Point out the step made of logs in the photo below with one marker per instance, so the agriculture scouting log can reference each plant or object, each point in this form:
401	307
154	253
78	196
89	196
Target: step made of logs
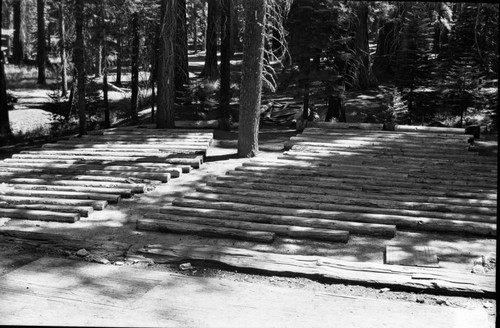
352	227
280	230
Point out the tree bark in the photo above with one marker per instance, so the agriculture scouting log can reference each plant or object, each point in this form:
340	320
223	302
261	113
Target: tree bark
166	88
5	131
118	80
251	81
194	16
107	119
40	56
365	76
18	51
62	41
79	62
225	64
210	70
134	99
181	53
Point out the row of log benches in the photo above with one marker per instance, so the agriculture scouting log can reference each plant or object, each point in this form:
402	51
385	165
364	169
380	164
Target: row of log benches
337	179
71	178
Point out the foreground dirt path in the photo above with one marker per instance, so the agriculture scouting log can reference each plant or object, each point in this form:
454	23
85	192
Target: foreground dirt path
63	292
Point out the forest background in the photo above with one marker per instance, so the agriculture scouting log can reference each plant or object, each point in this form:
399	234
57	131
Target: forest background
103	62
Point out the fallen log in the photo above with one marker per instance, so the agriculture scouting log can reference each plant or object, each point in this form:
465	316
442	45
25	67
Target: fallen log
387	166
16	213
63	194
455	212
129	147
377	179
401	133
204	230
164	177
320	190
393	276
372	170
351	126
337	205
429	129
344	184
75	156
109	165
134	188
117	89
135	139
123	192
96	204
411	223
351	227
280	230
83	211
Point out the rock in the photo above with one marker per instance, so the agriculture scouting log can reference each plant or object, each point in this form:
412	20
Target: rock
82	252
383	290
119	263
420	299
101	260
185	266
478	269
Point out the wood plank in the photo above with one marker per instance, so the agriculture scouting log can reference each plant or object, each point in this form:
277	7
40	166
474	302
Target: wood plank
431	129
311	163
63	194
350	185
414	255
394	161
135	147
336	270
83	211
96	204
72	156
338	125
268	199
353	227
37	162
135	188
204	230
456	212
25	214
325	211
123	192
163	177
366	178
412	134
261	184
329	235
174	171
372	170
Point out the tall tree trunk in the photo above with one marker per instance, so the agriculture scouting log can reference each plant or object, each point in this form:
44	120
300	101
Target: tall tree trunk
79	62
235	27
40	56
62	41
105	88
18	46
118	80
251	80
5	132
210	70
365	76
181	53
166	66
134	99
225	54
194	16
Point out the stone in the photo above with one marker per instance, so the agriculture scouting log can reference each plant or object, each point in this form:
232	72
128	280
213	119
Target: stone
101	260
82	252
478	269
185	266
119	263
